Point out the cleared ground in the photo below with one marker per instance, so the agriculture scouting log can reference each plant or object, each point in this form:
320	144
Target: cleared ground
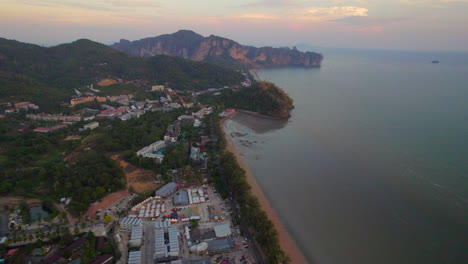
104	204
141	180
106	82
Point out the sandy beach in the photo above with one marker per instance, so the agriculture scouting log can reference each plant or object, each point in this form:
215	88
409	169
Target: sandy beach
286	242
254	74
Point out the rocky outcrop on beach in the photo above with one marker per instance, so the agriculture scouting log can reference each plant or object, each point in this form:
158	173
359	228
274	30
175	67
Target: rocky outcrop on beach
190	45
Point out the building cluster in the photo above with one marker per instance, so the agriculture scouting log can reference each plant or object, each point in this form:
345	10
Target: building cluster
150	208
166	249
87	99
174	208
128	222
136	236
55	117
190	196
123	99
155	150
17	107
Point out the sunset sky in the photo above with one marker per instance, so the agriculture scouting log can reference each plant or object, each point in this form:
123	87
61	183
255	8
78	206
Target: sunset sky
381	24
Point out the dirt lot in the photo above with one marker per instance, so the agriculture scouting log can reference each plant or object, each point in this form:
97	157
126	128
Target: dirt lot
106	82
140	179
104	204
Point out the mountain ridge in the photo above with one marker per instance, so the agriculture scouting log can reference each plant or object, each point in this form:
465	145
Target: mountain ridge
191	45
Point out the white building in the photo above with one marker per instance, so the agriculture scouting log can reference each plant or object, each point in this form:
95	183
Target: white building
91	125
203	112
149	151
157	88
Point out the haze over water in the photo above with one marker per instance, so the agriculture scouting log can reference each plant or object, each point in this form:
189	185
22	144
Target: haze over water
372	167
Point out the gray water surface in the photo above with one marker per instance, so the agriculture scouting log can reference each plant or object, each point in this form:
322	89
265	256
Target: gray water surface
372	167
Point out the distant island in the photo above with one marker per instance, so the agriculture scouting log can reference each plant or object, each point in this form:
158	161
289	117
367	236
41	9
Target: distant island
190	45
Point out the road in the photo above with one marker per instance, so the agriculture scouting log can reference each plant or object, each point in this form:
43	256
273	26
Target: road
243	224
3	224
147	249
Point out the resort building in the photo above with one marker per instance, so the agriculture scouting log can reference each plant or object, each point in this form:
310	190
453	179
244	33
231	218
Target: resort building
151	151
91	125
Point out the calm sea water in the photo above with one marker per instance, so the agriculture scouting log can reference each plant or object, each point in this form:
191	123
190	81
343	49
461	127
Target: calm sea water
372	167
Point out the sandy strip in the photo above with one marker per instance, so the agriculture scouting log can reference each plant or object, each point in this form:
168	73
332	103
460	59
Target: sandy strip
286	242
254	74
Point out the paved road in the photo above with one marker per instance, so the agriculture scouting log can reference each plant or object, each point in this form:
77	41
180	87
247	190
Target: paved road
147	249
3	224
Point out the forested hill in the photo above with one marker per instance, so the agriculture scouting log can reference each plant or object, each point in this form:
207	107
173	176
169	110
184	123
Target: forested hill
32	72
263	97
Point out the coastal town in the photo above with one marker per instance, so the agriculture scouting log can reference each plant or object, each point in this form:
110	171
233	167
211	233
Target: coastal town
179	217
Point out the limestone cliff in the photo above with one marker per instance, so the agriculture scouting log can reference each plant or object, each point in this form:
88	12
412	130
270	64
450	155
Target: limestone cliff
190	45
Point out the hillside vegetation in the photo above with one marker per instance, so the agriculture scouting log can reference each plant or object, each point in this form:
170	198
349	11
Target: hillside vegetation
50	74
263	97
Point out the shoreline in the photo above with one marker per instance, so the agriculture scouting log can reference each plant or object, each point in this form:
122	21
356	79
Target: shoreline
258	115
286	242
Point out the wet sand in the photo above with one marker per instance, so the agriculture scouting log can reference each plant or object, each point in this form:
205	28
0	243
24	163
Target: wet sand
286	242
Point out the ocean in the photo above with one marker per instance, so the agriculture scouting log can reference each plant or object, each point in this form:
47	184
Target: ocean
372	166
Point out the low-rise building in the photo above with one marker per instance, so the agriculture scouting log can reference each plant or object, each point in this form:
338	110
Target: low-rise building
167	190
150	151
223	230
194	153
181	198
128	222
157	88
91	126
81	100
134	257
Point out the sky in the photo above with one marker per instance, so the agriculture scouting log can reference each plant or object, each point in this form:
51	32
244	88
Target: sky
375	24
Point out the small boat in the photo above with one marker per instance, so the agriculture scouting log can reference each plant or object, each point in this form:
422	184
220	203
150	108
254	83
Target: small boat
435	61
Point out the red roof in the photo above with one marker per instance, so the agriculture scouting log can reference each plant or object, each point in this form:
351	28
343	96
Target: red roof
42	129
12	251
